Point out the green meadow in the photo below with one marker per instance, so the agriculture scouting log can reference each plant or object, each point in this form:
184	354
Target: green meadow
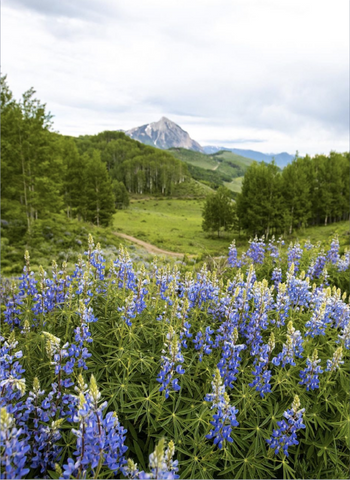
170	224
235	185
176	225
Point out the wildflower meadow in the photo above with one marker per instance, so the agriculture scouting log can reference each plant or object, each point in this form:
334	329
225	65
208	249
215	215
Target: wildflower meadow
121	371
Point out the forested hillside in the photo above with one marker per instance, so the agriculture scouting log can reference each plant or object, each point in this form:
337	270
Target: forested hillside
215	170
308	191
142	169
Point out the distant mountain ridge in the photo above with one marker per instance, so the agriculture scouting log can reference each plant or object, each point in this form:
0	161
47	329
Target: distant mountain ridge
281	159
164	134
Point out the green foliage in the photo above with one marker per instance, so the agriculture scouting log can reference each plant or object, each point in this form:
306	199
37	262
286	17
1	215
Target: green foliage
43	173
31	163
216	169
126	361
98	195
121	195
54	237
142	169
257	205
309	191
210	177
219	211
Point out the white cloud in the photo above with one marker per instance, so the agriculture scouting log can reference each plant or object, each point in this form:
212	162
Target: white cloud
224	70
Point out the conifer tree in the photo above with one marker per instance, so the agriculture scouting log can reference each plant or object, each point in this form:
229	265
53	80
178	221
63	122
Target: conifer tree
259	206
219	211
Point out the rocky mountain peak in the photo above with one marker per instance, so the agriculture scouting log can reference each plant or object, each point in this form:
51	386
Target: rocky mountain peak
164	134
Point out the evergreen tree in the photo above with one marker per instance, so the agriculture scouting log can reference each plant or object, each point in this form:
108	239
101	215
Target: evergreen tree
259	207
219	211
295	195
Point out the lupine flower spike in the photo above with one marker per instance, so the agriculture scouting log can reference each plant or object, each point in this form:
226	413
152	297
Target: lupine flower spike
285	436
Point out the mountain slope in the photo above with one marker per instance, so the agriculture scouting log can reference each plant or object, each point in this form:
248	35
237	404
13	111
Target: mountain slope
281	159
164	134
221	168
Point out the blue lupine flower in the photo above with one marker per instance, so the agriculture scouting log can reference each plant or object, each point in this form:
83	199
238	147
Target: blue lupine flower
345	335
308	245
204	344
123	270
258	321
256	250
12	383
171	363
316	267
27	285
309	376
276	276
286	434
45	450
298	289
335	361
98	439
185	333
205	288
96	259
233	260
273	249
291	349
295	253
282	305
13	304
161	464
319	319
230	357
262	375
225	417
344	262
14	448
333	253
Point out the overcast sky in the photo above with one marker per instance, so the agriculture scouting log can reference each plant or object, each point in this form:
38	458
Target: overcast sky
269	75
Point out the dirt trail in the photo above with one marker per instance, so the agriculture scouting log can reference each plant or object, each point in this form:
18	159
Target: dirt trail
149	247
217	166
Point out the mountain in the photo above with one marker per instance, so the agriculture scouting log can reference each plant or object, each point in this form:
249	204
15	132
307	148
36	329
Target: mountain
164	134
281	159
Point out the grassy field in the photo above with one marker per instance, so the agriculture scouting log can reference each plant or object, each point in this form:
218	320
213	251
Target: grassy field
191	188
235	185
224	155
224	162
176	225
195	158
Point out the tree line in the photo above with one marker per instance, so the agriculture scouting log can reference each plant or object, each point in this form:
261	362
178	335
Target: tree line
308	191
141	168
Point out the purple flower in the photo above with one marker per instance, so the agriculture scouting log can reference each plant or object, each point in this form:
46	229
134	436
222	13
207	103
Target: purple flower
309	376
225	417
286	434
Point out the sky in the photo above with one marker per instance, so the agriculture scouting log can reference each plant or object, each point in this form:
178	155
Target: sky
266	75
